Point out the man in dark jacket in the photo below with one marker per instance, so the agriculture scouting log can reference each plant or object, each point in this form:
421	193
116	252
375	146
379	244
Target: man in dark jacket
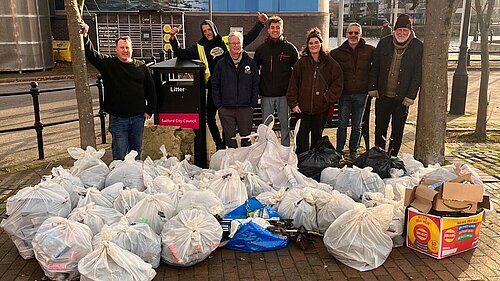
395	80
275	59
210	49
129	94
386	29
355	58
235	88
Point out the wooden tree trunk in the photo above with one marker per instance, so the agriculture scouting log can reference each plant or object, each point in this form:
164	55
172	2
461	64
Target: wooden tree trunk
432	103
83	95
484	19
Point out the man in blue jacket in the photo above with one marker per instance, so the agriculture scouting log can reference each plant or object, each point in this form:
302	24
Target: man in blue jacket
235	88
210	49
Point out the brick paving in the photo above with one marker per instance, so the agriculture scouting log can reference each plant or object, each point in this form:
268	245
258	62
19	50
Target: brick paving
315	263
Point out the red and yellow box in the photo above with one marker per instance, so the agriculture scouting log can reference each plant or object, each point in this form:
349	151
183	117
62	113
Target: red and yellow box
441	237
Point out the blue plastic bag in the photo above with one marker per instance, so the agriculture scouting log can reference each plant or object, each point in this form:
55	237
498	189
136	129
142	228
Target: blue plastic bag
251	237
248	209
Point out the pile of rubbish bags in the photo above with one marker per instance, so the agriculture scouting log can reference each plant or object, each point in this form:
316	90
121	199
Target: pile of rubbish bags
120	221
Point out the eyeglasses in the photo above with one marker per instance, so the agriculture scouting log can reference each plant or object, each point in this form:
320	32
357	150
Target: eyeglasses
353	32
235	44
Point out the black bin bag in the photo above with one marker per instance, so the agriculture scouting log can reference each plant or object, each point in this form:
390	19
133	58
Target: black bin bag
380	161
323	155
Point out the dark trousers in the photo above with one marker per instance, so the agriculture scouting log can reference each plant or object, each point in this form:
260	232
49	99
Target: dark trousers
310	125
365	127
236	119
211	122
390	110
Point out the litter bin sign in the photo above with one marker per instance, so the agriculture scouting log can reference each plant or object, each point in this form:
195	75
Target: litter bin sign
182	100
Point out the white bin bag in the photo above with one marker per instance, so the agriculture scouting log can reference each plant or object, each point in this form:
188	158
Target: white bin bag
253	183
358	239
138	238
355	181
89	166
153	210
110	262
272	198
29	208
128	171
127	198
229	188
332	206
190	237
95	216
299	204
59	244
69	182
93	195
329	175
203	200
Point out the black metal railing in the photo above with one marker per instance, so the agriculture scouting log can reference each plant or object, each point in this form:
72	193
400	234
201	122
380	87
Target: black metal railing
38	125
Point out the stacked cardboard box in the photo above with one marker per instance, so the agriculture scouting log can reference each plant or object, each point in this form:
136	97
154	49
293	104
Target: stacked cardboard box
457	210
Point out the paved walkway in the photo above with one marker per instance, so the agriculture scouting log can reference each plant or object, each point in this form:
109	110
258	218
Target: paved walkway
316	263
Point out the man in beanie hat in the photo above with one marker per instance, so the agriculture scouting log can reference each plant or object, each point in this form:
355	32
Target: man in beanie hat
395	80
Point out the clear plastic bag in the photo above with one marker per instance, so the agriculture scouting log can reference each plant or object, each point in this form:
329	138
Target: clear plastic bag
299	204
138	238
93	195
272	198
95	216
29	208
203	200
411	165
89	166
69	182
128	171
355	181
358	239
329	175
332	206
190	237
154	210
127	198
230	189
59	244
110	262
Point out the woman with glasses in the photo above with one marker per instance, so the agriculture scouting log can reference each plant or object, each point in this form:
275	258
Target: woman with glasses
315	83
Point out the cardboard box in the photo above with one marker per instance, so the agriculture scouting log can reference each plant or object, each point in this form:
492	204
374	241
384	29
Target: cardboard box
458	196
441	237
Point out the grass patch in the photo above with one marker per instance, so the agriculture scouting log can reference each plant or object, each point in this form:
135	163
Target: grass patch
468	137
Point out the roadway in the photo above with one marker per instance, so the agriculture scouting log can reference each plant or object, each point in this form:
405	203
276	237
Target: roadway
20	148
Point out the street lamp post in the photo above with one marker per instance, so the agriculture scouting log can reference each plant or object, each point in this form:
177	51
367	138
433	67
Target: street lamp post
461	77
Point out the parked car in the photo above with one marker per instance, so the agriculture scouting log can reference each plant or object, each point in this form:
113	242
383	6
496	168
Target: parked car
371	20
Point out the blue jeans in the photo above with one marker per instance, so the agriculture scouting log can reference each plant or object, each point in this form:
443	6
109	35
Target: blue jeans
279	104
126	133
350	107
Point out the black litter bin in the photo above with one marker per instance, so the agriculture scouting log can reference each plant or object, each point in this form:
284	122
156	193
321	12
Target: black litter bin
181	102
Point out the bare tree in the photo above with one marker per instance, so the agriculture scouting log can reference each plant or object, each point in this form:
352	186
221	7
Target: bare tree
74	10
484	11
432	105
